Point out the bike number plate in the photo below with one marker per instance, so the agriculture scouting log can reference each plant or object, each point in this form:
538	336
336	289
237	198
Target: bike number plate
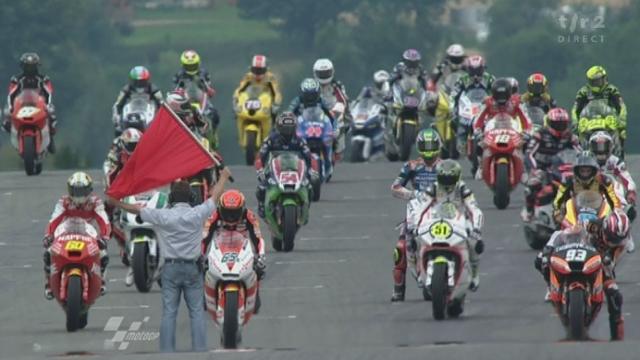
441	230
252	104
74	245
289	178
314	132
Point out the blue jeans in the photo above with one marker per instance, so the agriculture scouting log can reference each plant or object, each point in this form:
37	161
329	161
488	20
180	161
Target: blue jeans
182	278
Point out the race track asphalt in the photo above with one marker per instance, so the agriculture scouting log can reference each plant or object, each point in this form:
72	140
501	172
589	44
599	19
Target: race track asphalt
328	299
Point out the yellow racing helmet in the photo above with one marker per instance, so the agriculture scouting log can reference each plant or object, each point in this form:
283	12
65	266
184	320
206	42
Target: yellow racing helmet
190	61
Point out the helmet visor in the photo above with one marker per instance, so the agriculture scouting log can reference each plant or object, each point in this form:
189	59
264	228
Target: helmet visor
79	192
130	146
258	70
191	68
448	180
597	83
456	60
536	88
476	71
231	215
559	125
585	173
324	75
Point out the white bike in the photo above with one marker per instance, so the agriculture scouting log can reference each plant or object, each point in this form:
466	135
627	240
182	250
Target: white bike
231	284
443	261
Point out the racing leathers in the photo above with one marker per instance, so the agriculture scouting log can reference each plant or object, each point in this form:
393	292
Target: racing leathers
93	211
602	184
541	149
40	82
249	227
614	98
269	81
123	97
203	81
277	142
617	168
444	68
420	175
608	253
466	83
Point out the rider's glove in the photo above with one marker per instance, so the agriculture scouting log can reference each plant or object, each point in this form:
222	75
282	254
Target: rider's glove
261	176
594	226
47	241
259	266
102	243
631	197
479	247
313	175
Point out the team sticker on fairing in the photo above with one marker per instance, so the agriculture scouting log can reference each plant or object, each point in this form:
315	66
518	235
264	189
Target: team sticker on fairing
441	230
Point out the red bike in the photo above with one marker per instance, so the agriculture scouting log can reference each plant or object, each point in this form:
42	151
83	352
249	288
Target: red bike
75	270
30	133
502	158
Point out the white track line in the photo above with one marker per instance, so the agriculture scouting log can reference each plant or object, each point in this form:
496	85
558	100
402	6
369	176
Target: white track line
25	266
291	288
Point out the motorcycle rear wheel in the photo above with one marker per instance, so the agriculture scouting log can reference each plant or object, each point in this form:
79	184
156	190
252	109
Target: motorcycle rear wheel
290	222
356	151
250	151
501	196
142	267
439	290
408	139
576	308
316	185
230	327
29	155
74	303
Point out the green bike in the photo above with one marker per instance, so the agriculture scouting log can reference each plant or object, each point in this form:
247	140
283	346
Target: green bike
287	199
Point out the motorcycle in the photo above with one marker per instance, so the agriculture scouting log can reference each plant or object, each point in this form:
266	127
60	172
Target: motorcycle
75	278
316	130
599	116
443	260
231	285
137	113
469	107
200	101
585	203
502	158
576	285
409	99
30	132
287	199
253	114
445	127
367	130
141	240
538	231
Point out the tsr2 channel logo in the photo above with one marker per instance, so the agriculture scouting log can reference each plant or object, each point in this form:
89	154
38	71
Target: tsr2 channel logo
579	29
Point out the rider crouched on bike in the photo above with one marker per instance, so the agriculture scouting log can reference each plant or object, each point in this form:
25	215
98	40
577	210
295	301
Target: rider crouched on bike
259	75
191	70
233	215
454	61
450	187
309	97
30	78
139	83
502	100
283	138
586	177
544	144
420	173
609	237
476	77
79	202
537	94
601	145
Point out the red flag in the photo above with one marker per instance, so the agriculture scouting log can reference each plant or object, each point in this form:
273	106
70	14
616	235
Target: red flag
168	150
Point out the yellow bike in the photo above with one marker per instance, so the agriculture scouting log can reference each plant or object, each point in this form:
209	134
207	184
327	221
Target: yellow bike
599	116
443	125
253	115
